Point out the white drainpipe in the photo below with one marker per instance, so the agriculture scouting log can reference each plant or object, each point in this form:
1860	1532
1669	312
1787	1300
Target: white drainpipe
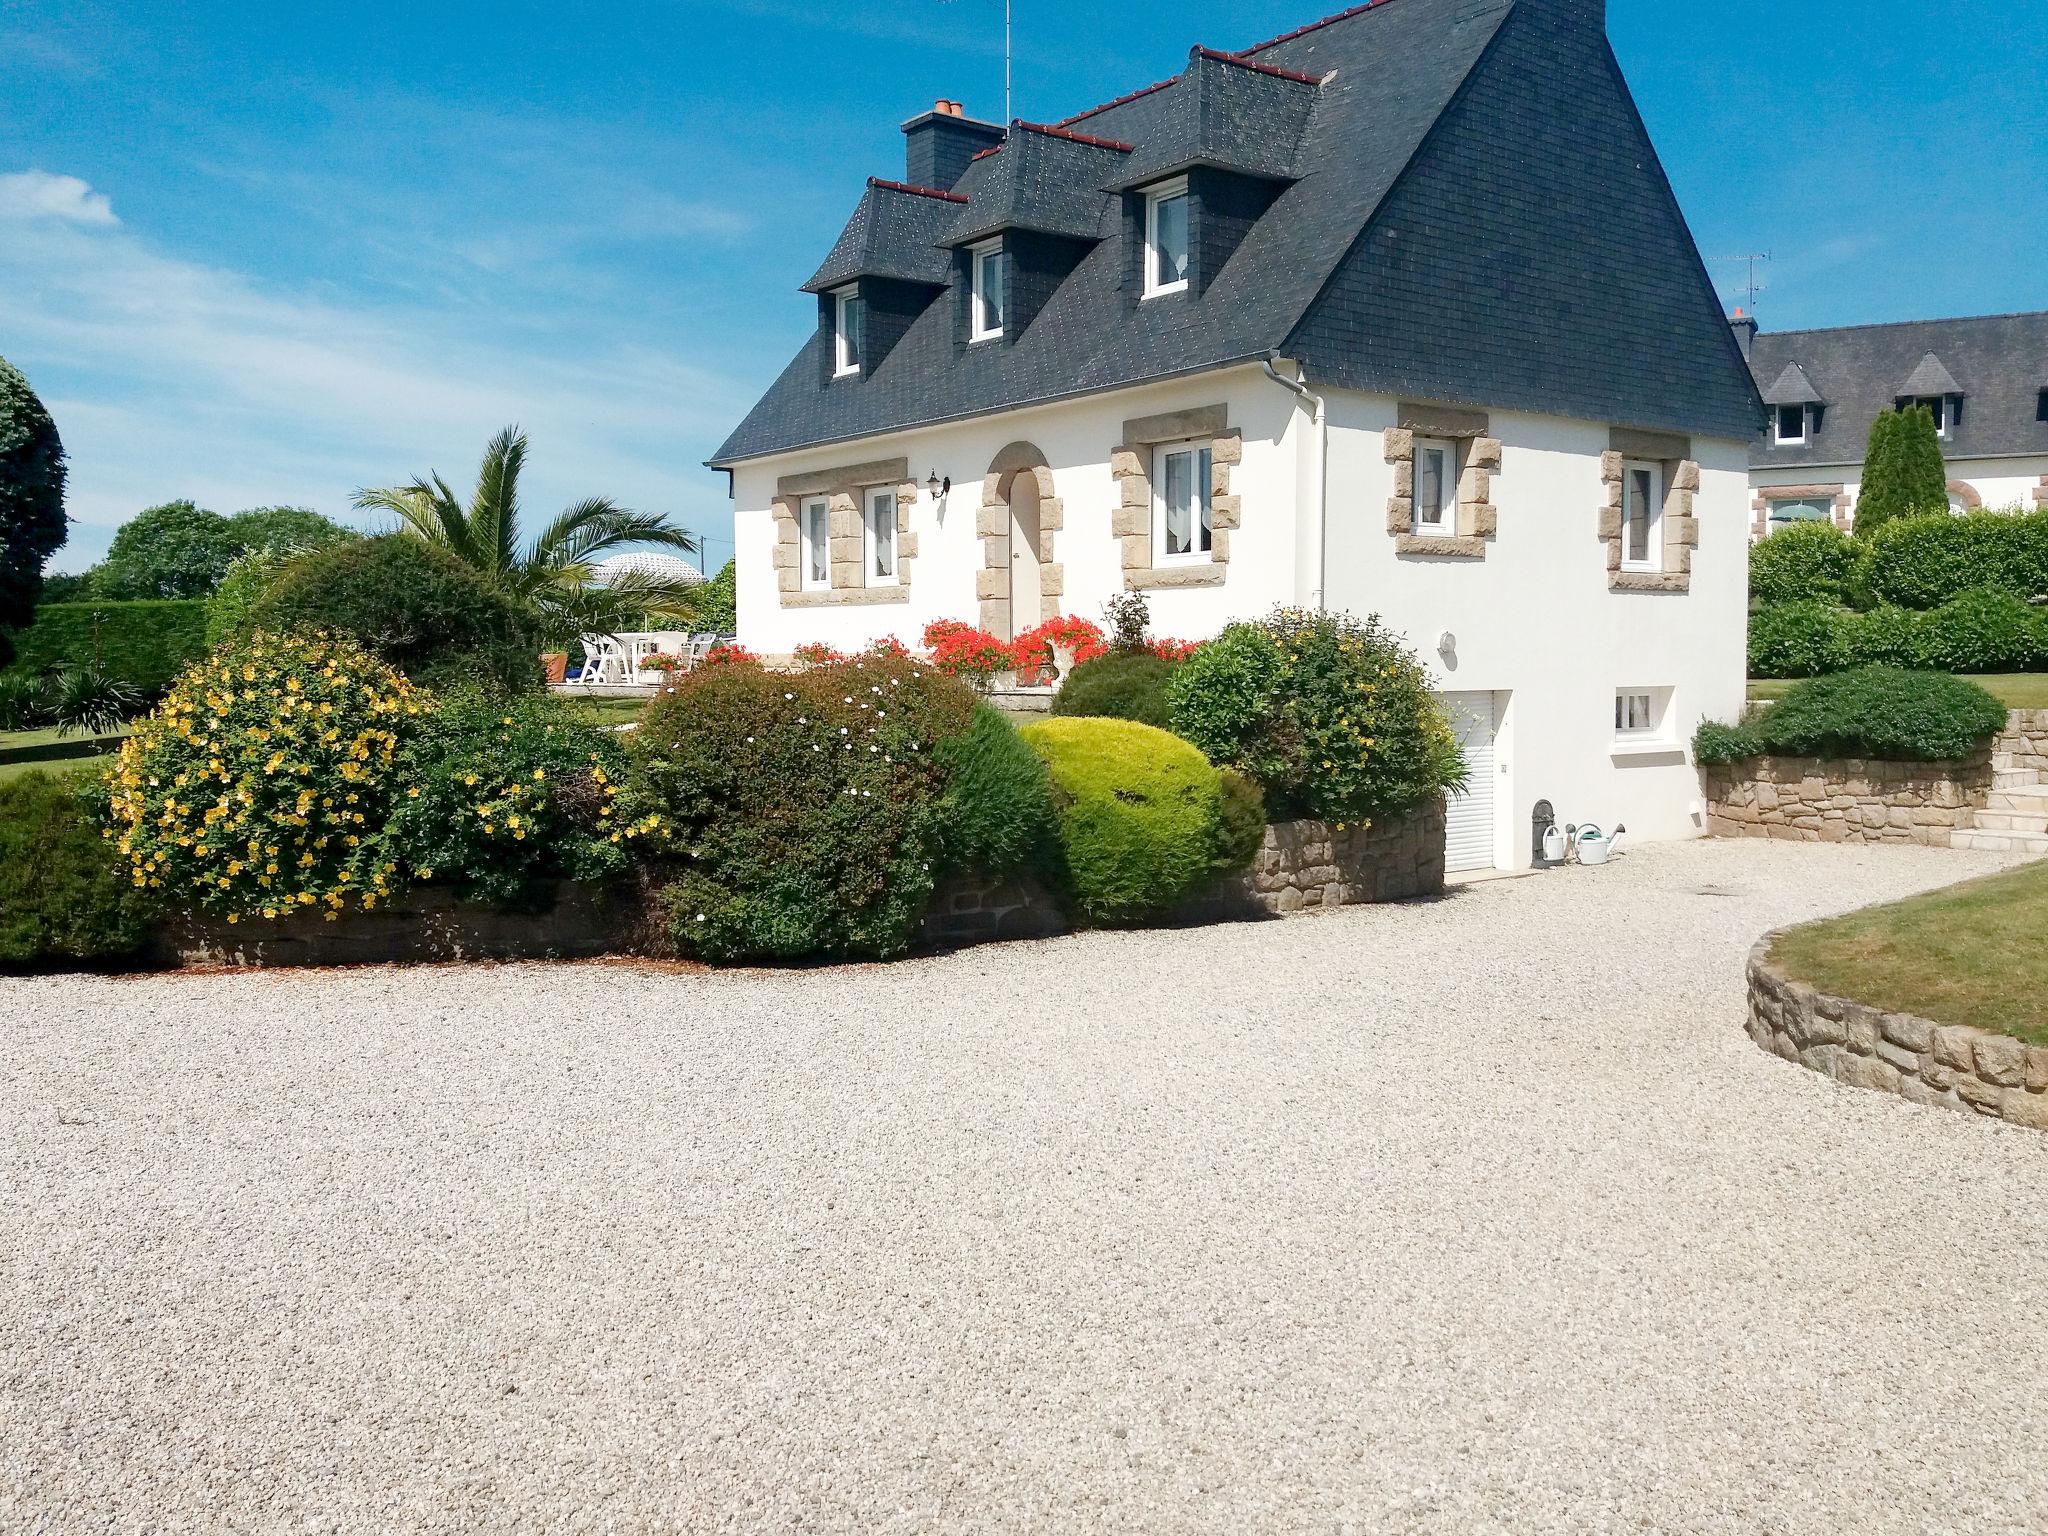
1322	507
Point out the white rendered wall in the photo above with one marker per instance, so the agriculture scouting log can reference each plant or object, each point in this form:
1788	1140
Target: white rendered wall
1535	620
1076	439
2000	484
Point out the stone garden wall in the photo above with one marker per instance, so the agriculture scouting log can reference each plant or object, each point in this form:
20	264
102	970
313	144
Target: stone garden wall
1848	800
2020	755
1303	864
1946	1064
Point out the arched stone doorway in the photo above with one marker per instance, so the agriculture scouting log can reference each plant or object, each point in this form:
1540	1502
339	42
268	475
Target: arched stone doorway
1020	584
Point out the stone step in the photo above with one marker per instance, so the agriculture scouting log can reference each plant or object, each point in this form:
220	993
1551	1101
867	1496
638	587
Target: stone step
2018	778
2031	801
2000	842
2033	824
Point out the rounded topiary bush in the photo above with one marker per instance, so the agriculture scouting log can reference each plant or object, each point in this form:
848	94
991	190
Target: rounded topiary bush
1796	640
1334	718
1141	816
1804	562
1882	712
264	782
65	895
1985	630
804	815
419	607
1122	685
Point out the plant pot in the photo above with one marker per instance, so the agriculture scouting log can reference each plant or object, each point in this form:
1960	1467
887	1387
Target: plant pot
554	665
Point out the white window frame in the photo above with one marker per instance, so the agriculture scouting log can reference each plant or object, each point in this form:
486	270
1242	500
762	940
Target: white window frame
814	537
1156	199
1938	408
979	328
878	507
846	359
1654	542
1447	527
1201	513
1634	723
1779	422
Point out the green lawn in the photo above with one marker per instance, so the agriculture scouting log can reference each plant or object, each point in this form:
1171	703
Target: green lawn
1971	954
2015	690
608	711
53	765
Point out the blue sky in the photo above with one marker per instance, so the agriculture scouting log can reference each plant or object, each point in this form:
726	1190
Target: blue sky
256	253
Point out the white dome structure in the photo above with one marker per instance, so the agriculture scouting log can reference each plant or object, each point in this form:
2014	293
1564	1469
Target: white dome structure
649	565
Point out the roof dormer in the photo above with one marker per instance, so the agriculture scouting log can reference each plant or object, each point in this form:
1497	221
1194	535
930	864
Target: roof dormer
1932	385
884	272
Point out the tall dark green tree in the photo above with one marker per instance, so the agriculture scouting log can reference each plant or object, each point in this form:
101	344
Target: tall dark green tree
1903	470
32	522
173	550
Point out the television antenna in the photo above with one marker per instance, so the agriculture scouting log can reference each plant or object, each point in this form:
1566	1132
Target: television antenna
1751	284
1008	55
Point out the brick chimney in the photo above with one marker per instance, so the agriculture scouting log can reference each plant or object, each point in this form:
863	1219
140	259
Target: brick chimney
939	144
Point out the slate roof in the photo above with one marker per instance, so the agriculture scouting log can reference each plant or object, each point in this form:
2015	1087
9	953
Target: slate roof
895	232
1046	179
1387	72
1226	112
1793	388
1997	363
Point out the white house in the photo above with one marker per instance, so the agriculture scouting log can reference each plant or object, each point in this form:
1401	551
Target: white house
1985	379
1393	314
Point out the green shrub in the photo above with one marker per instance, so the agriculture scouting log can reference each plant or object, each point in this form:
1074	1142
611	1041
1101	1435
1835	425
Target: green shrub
1922	562
418	606
1120	686
64	896
32	523
1333	717
232	608
713	607
505	797
1980	631
142	644
1796	640
805	814
998	814
1806	562
1715	743
1882	712
1242	827
1885	636
1141	816
265	780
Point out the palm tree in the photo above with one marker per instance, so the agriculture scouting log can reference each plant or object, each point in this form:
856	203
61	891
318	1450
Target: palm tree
553	574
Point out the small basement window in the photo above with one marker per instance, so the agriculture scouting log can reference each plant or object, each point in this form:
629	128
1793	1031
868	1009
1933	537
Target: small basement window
849	331
1181	528
1436	487
879	533
1642	516
1639	714
816	527
1166	240
989	298
1791	425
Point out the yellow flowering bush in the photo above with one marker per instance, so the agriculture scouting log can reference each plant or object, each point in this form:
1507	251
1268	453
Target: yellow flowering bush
264	782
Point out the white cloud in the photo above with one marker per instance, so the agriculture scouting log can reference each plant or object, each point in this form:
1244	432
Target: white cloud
39	195
168	377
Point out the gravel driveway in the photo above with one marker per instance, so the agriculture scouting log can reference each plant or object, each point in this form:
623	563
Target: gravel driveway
1469	1216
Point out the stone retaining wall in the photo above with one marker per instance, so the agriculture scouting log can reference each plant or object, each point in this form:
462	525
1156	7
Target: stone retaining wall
1947	1064
2019	755
1849	800
1303	864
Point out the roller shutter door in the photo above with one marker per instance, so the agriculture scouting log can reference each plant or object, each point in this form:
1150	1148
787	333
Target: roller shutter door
1468	830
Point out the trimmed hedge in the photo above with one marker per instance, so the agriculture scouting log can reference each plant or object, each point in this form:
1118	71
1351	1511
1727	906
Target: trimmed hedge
64	897
1807	561
1796	640
145	643
998	809
1925	561
1868	712
1119	686
417	606
1141	816
1985	630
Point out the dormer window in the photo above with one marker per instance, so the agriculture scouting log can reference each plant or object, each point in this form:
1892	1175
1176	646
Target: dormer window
1166	239
849	331
1943	412
1791	425
991	302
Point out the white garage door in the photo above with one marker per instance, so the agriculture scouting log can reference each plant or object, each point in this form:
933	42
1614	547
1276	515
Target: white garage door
1468	834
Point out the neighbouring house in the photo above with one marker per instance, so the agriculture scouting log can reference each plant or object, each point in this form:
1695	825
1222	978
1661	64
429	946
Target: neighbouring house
1985	379
1395	313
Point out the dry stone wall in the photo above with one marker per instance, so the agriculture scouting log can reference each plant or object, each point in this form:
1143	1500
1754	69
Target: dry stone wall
1950	1065
2019	756
1850	800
